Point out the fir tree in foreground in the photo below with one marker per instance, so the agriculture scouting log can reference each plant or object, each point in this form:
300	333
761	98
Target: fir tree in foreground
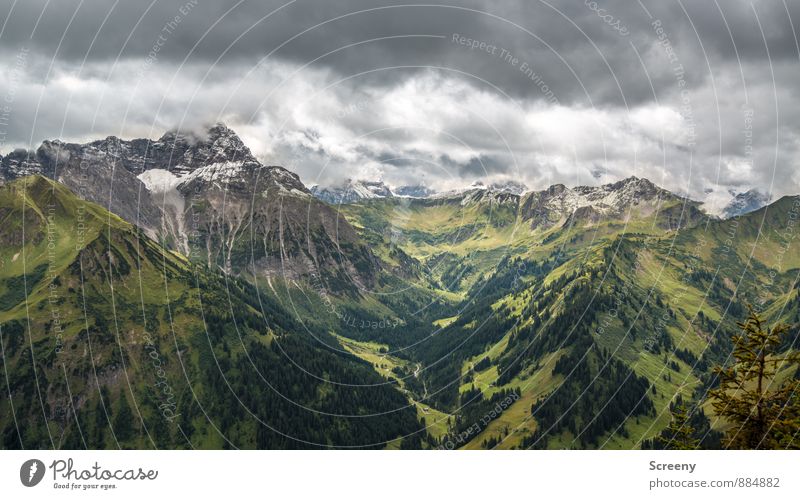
762	415
689	429
679	435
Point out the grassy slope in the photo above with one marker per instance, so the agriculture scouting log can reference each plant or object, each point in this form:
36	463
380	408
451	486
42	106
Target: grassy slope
86	319
444	254
656	267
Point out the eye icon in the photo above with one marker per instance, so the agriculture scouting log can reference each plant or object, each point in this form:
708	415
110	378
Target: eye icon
31	472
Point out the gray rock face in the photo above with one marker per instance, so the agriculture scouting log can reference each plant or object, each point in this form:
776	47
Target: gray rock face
414	191
19	163
93	173
745	202
559	204
207	196
510	186
179	153
352	191
105	171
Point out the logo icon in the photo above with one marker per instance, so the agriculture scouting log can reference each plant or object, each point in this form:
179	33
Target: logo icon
31	472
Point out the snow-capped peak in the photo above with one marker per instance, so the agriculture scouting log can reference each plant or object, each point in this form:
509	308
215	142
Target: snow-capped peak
745	202
413	191
352	191
558	201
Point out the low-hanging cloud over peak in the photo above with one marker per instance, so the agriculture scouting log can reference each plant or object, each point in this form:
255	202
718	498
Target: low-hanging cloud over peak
701	100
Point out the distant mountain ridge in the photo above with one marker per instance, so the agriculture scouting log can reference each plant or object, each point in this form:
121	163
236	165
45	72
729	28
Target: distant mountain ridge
222	153
579	306
204	193
352	191
745	202
616	200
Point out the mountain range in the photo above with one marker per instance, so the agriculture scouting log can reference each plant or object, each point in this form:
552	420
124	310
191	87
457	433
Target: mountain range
176	293
355	191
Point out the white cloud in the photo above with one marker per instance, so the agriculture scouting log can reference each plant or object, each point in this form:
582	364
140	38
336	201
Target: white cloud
404	132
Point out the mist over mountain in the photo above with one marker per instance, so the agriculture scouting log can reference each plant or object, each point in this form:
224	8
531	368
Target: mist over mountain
746	202
352	191
414	191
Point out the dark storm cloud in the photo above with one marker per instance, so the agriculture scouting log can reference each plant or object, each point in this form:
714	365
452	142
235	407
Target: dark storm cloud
628	82
476	167
576	53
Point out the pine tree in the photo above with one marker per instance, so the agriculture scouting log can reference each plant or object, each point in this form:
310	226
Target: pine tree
763	416
123	422
679	435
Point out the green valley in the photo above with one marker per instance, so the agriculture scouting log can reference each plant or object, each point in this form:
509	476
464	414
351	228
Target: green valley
566	318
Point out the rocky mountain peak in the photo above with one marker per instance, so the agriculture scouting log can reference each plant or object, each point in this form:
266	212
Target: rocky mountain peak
509	186
177	152
490	196
19	163
555	190
635	186
745	202
558	202
414	191
187	151
352	191
138	178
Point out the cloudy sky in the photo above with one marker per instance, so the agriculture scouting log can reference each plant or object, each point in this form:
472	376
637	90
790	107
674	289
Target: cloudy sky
700	97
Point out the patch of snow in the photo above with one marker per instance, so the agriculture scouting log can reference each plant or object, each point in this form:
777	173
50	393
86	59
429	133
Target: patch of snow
413	191
353	191
159	181
607	197
163	187
215	172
